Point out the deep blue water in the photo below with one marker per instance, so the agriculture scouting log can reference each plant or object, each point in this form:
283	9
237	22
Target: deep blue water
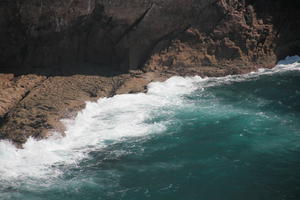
227	140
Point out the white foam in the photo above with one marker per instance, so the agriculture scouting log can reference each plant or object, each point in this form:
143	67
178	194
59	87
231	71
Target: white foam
110	120
100	123
288	64
174	86
290	60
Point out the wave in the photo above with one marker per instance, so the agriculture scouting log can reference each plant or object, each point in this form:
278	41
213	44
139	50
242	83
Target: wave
111	120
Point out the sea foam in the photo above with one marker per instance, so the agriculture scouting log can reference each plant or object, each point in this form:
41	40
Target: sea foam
110	120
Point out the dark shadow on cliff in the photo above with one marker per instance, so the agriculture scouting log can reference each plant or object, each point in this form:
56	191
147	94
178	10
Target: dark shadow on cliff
284	16
66	70
41	49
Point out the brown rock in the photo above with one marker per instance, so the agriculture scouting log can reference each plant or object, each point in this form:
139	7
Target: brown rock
14	90
57	54
37	35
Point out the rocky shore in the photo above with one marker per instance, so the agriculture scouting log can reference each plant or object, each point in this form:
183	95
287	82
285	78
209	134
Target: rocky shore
57	54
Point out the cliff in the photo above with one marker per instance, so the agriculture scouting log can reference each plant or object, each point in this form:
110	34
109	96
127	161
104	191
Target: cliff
56	54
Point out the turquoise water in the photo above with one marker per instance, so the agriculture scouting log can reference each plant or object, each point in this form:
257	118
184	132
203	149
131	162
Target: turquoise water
232	138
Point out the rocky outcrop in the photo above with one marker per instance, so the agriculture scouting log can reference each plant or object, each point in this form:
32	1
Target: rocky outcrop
36	35
39	114
55	55
239	36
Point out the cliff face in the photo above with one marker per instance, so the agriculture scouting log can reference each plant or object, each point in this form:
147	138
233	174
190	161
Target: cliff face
100	39
37	34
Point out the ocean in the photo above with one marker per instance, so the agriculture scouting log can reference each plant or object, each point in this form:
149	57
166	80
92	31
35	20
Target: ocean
229	138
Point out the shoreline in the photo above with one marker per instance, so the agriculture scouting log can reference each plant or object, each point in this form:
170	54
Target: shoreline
232	121
38	113
56	56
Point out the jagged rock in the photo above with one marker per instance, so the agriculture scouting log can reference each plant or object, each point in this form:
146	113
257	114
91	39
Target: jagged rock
56	54
37	35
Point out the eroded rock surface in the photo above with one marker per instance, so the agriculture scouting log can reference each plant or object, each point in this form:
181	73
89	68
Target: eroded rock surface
37	35
57	54
14	89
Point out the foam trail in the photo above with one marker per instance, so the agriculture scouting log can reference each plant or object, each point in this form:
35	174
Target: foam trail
100	123
111	120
